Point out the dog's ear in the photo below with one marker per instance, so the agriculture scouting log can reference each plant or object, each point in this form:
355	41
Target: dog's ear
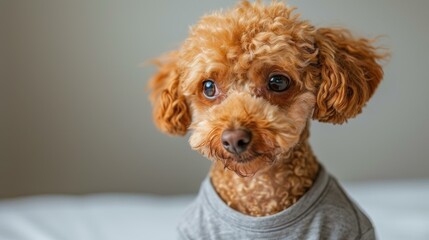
350	73
170	110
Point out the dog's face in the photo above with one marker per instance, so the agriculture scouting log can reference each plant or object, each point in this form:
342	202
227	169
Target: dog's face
248	80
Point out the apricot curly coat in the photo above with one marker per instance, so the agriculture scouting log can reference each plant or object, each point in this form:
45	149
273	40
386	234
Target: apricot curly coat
333	75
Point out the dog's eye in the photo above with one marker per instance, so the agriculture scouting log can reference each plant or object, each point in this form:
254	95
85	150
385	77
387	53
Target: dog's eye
279	83
209	89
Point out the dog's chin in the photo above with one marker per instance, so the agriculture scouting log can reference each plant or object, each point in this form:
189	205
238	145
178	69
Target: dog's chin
247	159
246	166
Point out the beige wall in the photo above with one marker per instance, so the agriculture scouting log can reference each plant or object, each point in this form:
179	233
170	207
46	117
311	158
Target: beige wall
75	117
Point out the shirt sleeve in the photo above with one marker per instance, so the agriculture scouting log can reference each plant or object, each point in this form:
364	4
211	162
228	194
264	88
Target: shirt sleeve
369	235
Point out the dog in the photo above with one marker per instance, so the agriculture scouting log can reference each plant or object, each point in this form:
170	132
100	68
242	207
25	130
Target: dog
247	82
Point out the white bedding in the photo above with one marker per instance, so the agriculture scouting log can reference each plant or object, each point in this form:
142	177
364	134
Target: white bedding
399	210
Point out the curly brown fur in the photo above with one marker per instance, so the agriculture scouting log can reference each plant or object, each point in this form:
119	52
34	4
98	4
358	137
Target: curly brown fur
332	76
271	189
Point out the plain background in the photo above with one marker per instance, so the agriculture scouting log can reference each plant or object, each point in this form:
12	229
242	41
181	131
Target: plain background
74	114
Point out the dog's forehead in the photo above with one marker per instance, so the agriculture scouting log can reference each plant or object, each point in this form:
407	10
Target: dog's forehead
240	39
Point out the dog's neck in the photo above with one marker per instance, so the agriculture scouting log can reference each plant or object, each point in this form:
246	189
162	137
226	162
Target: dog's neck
270	190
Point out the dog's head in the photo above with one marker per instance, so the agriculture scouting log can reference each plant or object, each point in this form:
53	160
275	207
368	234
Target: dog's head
246	81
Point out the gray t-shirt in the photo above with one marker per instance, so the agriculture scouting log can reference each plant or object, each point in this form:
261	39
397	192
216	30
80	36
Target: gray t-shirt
324	212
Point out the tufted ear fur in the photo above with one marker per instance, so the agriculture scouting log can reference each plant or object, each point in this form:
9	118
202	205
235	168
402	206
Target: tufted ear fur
349	75
170	110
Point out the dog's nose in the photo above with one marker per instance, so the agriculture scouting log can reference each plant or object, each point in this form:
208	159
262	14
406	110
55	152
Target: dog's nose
236	141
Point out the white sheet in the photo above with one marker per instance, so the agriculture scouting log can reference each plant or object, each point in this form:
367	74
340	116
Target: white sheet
399	210
96	217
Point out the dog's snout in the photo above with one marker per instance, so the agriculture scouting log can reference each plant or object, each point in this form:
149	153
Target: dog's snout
236	141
